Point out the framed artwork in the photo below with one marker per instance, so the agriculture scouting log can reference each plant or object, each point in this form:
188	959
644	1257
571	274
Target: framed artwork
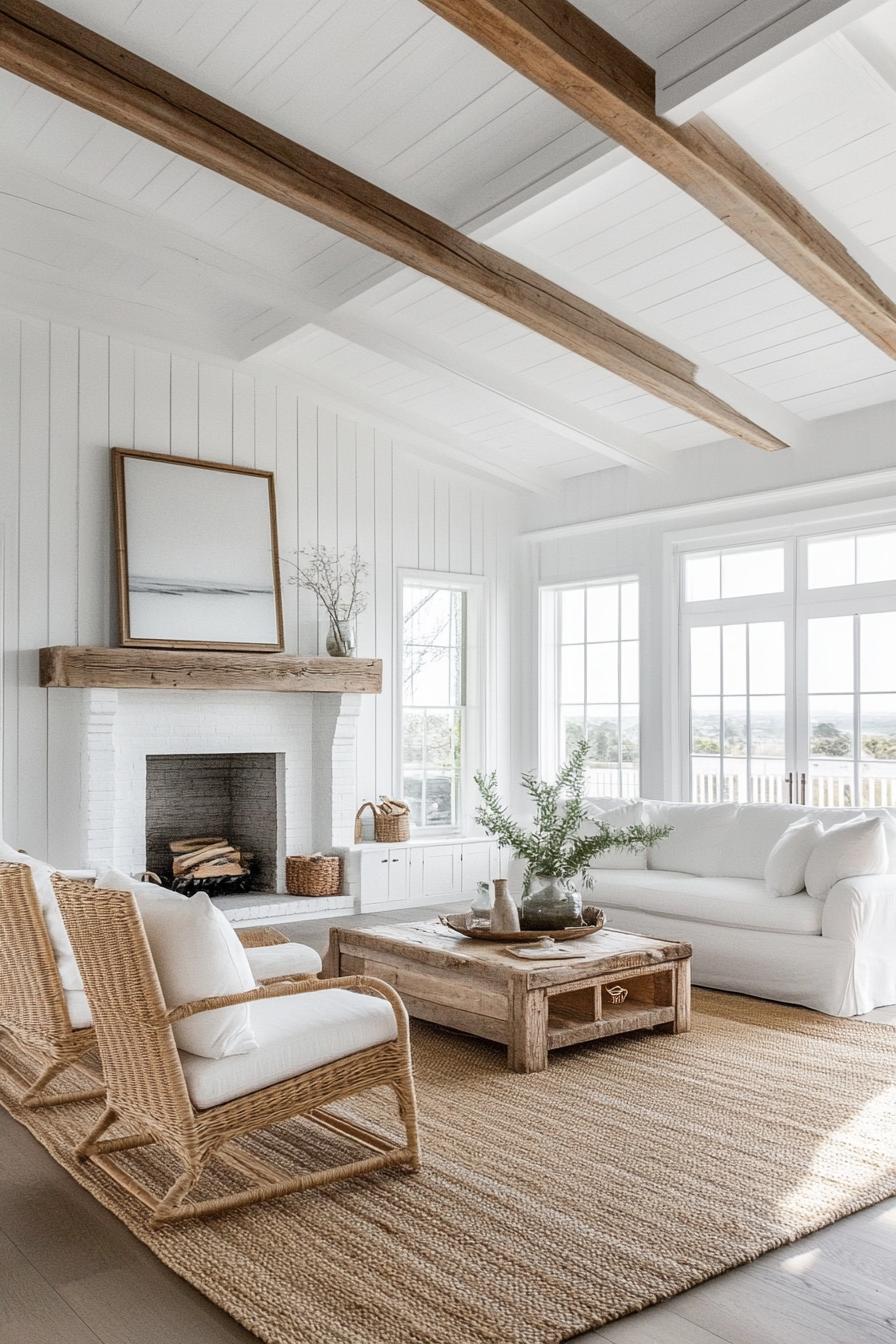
196	544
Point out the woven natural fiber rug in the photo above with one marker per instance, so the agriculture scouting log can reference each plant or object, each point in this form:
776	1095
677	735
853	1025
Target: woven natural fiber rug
551	1203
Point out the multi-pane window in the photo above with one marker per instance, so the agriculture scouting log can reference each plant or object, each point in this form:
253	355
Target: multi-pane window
434	645
789	670
590	682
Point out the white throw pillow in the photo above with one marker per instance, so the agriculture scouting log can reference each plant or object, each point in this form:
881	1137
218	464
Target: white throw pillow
66	965
113	880
619	818
856	848
198	955
785	868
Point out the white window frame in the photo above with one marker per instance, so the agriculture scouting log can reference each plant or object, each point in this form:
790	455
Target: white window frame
548	668
475	710
795	529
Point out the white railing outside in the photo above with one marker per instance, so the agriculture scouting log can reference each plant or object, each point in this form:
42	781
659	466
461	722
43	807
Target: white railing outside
878	790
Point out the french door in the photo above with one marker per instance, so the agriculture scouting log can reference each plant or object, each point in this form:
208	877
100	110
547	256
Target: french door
789	693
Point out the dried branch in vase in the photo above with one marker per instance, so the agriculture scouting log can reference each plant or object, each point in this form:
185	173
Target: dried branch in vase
335	579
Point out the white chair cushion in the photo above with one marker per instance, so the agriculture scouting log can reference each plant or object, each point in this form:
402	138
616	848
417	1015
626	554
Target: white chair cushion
702	837
198	955
854	848
735	902
294	1035
785	867
283	959
624	815
69	974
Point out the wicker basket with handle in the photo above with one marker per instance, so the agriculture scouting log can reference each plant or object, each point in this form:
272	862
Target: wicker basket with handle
391	821
313	875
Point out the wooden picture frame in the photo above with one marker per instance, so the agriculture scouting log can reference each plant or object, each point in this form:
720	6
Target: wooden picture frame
197	556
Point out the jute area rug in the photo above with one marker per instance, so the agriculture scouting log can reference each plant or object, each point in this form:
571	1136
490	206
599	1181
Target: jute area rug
552	1203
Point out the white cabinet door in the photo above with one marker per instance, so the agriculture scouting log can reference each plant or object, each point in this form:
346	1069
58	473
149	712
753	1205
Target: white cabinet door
374	877
476	866
441	870
398	876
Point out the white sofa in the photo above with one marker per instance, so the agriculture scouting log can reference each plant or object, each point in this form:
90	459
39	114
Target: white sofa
705	885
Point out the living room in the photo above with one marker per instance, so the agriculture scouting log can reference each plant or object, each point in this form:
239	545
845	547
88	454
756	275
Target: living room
447	707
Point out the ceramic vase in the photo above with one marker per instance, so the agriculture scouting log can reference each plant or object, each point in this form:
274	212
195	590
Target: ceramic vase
505	917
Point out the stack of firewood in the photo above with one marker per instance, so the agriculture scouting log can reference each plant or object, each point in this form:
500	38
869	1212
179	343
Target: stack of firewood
209	863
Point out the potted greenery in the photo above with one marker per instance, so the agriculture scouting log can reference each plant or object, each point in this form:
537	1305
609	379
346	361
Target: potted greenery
554	848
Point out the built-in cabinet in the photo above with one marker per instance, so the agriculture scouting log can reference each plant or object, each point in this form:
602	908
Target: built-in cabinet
417	872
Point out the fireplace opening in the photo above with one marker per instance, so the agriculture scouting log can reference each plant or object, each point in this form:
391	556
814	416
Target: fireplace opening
230	795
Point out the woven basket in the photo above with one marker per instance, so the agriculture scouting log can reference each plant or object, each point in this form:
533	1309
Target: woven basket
389	827
313	875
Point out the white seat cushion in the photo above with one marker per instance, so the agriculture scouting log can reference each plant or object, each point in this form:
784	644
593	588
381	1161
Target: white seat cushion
294	1035
737	902
283	959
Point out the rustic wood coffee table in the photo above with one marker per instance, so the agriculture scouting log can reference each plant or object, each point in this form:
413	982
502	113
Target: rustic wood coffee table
530	1006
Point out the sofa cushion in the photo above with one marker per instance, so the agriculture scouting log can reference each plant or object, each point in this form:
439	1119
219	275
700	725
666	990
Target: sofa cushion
294	1035
854	848
735	902
69	974
785	868
283	959
198	955
619	817
702	837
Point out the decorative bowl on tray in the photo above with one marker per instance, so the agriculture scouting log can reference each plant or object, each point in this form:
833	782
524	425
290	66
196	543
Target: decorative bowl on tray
593	921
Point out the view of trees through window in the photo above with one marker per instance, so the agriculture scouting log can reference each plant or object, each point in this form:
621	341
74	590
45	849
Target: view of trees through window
433	697
596	683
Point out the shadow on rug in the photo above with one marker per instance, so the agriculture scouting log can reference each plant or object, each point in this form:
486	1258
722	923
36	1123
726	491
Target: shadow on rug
551	1203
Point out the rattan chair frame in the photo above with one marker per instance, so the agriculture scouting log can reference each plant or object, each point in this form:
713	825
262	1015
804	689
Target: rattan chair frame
145	1080
33	1011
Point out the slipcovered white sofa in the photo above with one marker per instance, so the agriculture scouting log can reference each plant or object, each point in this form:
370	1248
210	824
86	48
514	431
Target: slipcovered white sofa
705	885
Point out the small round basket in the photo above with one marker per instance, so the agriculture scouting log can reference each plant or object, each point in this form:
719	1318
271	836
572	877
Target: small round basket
313	875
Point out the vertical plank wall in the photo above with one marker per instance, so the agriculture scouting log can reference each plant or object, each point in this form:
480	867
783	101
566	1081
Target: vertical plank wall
66	396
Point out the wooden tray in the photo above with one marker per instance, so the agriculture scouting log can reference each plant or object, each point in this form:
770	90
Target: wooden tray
458	923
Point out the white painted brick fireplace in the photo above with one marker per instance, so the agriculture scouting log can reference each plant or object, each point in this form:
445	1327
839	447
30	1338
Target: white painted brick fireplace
313	737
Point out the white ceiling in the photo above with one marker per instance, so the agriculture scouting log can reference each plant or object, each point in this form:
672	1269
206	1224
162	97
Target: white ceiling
100	227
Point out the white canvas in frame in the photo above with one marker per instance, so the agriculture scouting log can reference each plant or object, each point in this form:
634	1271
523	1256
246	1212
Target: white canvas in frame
198	554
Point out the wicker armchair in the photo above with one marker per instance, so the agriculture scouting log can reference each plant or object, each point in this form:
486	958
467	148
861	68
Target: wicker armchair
33	1010
147	1089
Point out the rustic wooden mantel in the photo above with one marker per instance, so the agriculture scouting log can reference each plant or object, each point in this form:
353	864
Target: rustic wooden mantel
189	670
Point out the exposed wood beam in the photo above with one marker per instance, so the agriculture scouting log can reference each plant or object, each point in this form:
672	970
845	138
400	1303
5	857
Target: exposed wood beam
562	50
78	65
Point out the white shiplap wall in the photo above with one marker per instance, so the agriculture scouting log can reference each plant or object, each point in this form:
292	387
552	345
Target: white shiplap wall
67	395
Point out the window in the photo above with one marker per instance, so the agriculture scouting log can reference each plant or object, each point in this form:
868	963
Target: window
590	683
789	671
439	726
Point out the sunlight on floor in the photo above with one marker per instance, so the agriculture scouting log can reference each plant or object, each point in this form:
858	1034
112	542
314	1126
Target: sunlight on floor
855	1155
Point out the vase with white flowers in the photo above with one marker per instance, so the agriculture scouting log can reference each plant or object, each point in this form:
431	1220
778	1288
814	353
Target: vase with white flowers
554	847
335	578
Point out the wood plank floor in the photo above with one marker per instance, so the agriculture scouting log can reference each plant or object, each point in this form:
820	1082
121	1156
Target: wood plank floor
70	1273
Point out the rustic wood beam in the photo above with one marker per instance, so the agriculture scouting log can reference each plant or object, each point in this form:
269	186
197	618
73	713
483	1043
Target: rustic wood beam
201	670
567	54
77	64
